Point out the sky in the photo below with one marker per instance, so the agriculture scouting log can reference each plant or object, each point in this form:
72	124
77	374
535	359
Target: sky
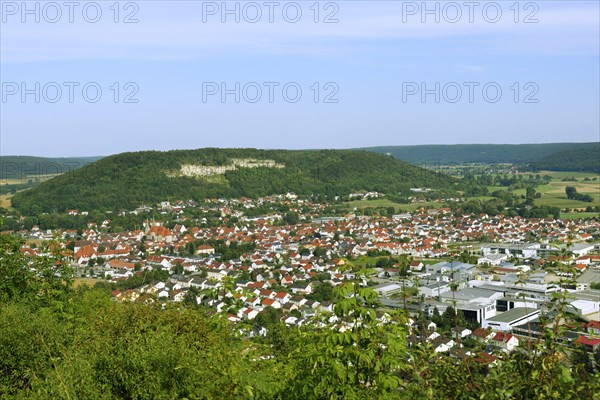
99	78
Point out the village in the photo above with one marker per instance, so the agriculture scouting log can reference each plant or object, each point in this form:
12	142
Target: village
496	273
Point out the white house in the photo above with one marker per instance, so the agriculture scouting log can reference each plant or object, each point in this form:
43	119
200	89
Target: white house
506	340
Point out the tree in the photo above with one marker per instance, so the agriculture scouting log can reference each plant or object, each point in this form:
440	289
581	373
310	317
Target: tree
40	279
322	291
571	192
436	317
303	251
268	317
178	268
291	218
363	362
319	252
581	362
448	317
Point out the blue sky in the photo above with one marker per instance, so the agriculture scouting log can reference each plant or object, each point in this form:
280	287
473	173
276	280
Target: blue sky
369	60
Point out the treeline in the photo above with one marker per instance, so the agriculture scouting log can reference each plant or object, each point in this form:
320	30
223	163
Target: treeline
60	342
13	188
478	153
13	220
23	167
127	180
572	194
586	159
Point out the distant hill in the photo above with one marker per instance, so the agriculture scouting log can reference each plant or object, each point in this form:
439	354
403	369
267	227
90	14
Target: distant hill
128	180
477	153
586	159
21	167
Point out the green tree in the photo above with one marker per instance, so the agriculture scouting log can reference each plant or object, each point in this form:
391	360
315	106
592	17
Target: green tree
362	362
571	192
291	218
322	291
178	268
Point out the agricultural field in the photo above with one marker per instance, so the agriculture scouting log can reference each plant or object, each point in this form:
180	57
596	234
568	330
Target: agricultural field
554	194
5	200
383	203
27	179
577	215
84	281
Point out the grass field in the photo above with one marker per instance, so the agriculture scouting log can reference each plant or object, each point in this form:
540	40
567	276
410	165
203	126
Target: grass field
87	281
560	174
5	200
577	215
373	203
12	181
554	194
38	242
26	179
378	203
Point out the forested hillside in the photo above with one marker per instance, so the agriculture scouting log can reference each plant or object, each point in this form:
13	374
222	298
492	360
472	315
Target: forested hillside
586	160
21	167
57	342
130	179
477	153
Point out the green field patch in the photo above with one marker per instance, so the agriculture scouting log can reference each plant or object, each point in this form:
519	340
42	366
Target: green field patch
577	215
567	174
384	203
5	200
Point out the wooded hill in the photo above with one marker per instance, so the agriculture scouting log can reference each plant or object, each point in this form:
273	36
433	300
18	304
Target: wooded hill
480	153
128	180
584	160
22	167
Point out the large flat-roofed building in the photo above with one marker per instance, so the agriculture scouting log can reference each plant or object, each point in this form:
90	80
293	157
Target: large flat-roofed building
590	276
580	249
518	250
471	295
533	250
434	289
476	304
492	259
585	307
387	289
532	290
589	295
477	312
507	320
453	270
508	303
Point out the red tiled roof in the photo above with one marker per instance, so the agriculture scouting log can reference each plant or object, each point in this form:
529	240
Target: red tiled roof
588	341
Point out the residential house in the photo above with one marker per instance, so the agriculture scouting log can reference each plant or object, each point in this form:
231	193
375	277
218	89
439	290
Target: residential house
507	341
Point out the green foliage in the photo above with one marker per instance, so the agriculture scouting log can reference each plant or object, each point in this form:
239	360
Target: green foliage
268	317
57	342
572	194
291	218
129	179
29	345
360	362
584	159
483	153
43	279
322	291
20	167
